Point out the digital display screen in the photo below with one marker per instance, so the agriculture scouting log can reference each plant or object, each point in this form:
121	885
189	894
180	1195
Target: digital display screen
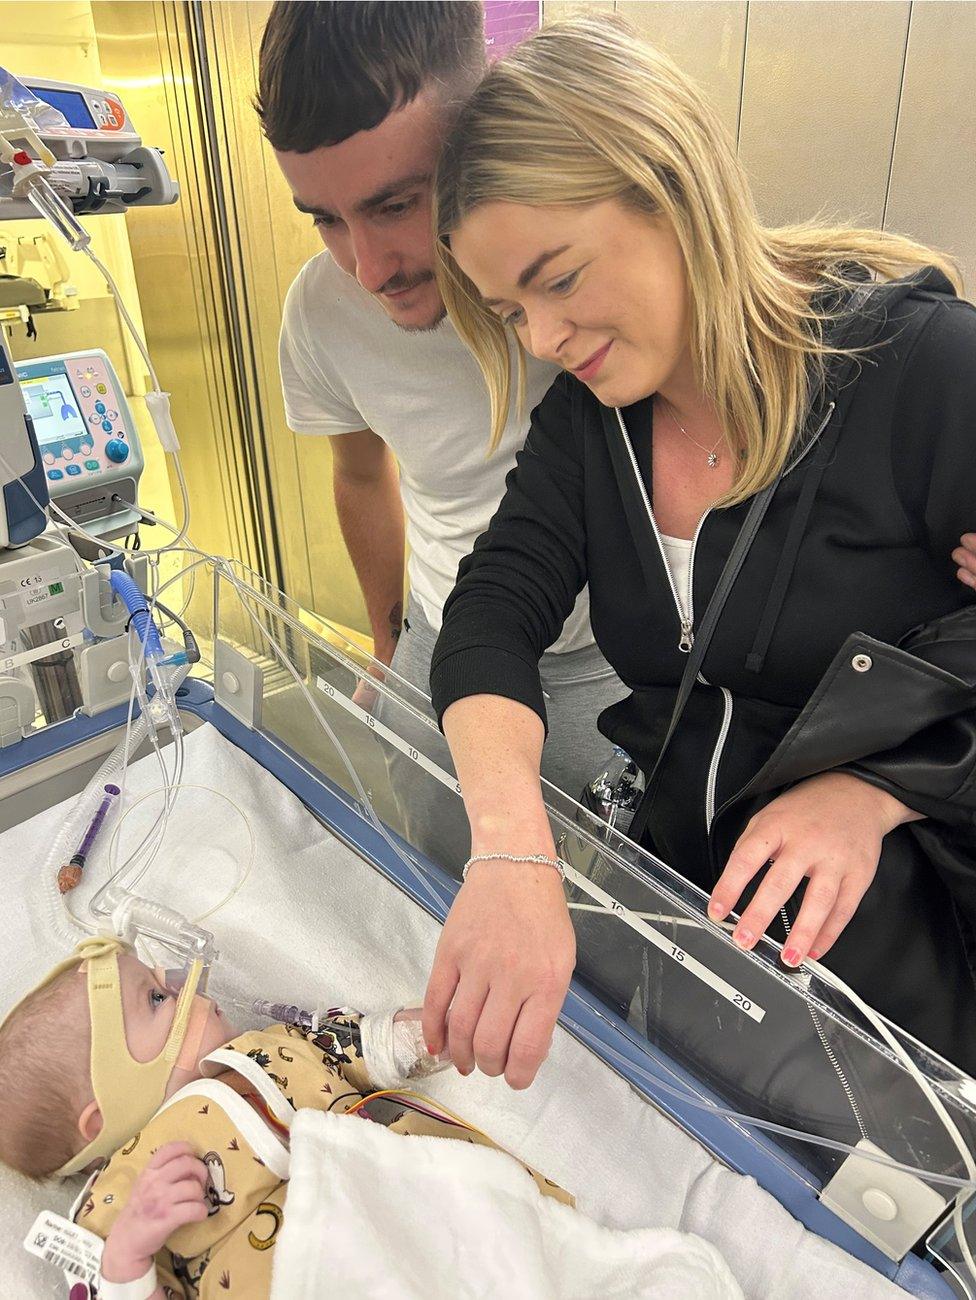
70	103
53	407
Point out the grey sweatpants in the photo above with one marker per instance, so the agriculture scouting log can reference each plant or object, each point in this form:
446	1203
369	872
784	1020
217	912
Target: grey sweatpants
578	686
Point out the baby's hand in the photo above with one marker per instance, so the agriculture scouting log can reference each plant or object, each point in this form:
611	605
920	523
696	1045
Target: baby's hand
170	1192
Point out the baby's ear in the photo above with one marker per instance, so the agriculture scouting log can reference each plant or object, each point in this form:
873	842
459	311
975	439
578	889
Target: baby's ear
90	1122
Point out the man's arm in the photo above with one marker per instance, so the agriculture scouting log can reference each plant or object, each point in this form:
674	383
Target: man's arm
367	496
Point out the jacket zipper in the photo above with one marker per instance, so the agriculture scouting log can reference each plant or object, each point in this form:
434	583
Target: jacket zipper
723	735
687	623
687	639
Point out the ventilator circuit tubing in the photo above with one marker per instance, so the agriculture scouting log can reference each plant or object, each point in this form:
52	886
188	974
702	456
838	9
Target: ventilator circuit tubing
143	636
135	603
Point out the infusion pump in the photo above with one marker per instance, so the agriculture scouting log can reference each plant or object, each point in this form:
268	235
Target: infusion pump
89	448
100	162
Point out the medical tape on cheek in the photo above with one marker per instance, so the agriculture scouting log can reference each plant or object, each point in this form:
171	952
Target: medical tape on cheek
196	1024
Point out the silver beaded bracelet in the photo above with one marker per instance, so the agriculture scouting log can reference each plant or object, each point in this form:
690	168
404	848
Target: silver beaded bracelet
541	859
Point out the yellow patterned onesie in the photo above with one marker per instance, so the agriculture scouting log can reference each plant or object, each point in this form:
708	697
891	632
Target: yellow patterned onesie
241	1135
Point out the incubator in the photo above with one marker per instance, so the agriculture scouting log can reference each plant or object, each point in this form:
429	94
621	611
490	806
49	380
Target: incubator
861	1132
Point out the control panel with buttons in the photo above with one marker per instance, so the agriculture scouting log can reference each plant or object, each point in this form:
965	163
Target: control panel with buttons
86	436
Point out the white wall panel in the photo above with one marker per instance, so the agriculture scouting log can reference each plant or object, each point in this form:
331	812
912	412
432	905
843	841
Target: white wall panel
706	40
820	102
932	194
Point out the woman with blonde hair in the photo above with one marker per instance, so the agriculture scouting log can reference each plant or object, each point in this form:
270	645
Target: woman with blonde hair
759	457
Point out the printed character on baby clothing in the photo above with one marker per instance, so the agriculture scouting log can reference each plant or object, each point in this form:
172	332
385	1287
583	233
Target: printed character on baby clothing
192	1198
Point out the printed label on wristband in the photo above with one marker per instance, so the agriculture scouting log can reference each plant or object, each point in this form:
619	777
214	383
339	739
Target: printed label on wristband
74	1250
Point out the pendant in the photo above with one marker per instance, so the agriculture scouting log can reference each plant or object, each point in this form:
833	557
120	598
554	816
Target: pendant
712	459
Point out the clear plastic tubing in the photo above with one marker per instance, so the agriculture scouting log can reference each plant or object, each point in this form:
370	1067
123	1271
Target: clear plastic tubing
51	206
287	1014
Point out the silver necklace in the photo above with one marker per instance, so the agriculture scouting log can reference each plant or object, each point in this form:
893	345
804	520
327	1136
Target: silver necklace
711	452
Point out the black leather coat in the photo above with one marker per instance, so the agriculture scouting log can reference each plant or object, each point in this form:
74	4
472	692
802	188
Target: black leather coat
903	718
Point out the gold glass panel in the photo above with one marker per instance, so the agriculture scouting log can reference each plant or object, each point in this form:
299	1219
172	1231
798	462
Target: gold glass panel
706	40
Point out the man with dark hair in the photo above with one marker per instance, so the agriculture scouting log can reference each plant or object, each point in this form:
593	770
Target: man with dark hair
331	73
355	99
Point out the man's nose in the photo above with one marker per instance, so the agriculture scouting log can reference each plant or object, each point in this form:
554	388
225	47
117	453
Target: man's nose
375	261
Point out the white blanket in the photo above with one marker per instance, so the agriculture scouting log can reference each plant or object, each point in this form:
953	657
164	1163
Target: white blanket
315	925
426	1218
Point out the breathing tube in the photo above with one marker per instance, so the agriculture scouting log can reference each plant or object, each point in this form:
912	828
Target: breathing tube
135	602
164	672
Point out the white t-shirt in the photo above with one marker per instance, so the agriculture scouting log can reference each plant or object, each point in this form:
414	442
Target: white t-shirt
345	366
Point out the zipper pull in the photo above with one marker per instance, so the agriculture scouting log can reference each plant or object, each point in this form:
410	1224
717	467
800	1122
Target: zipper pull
687	637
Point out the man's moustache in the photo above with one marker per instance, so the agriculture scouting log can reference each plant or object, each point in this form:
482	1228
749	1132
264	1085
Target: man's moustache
397	285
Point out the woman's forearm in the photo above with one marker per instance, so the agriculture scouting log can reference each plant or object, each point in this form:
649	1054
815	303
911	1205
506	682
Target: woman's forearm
496	744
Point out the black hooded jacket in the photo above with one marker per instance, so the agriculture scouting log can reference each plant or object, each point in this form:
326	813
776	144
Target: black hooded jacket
846	641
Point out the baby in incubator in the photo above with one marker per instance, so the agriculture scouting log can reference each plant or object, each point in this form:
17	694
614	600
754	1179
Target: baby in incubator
181	1125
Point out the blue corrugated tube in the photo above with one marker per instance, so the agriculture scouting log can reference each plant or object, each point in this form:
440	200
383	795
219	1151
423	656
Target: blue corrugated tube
136	603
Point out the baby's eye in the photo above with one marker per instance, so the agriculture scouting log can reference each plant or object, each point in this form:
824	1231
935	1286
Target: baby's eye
157	997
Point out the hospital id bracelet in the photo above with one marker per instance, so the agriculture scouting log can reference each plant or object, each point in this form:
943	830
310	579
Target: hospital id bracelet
141	1289
542	859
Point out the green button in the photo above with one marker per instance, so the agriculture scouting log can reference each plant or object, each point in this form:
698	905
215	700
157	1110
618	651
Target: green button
92	464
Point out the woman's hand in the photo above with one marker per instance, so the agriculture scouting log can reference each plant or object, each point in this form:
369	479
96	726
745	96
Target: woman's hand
169	1193
965	556
502	967
828	828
